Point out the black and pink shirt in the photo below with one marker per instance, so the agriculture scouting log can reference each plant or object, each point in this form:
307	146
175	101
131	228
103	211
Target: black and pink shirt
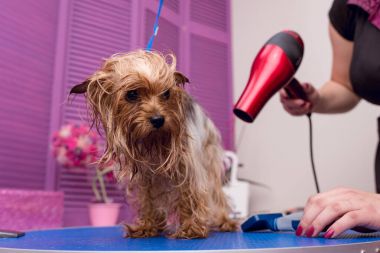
359	21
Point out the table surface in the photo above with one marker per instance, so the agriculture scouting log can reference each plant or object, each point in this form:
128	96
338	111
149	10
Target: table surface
109	239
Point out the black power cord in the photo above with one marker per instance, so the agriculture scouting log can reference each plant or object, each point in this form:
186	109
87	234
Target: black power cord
295	90
311	152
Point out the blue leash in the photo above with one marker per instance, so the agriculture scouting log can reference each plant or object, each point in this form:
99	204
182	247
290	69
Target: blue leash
155	27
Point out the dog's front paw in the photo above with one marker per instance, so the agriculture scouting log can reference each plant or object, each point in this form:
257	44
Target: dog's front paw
190	232
228	225
139	231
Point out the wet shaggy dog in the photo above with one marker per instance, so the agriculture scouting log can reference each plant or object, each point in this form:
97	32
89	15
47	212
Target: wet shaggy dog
168	150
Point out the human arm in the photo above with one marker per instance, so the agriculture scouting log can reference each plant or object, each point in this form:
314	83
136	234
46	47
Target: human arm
336	95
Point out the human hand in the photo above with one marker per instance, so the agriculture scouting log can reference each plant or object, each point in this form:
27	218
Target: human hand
298	106
343	208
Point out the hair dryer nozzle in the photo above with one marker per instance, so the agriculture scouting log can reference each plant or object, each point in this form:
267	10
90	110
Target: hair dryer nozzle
272	69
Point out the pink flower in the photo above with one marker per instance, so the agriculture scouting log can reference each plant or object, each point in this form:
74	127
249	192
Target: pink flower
75	146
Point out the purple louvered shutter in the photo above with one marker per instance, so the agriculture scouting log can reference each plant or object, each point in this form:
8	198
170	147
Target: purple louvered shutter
96	29
210	61
198	32
27	49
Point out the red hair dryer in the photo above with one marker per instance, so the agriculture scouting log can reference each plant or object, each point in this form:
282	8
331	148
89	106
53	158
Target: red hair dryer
272	69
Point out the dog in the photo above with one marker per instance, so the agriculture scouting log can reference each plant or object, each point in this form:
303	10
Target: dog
168	150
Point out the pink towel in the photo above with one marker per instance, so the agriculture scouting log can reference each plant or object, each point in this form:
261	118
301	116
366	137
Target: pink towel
30	209
372	7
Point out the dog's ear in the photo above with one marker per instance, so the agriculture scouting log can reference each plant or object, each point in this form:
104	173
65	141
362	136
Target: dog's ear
180	79
80	88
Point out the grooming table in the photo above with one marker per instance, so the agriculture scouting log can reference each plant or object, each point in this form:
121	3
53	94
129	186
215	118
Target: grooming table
109	239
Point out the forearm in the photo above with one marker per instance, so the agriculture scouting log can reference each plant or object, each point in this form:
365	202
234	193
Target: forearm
335	98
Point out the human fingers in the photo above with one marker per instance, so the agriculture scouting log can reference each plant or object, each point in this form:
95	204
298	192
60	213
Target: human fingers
295	106
349	220
311	93
332	212
314	206
298	111
283	94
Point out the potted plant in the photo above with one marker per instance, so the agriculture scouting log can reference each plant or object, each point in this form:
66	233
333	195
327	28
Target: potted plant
76	147
103	212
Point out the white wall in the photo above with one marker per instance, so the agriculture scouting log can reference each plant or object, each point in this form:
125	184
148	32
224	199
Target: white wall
274	149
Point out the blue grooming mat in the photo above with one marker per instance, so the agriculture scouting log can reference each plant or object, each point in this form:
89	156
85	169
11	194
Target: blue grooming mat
110	239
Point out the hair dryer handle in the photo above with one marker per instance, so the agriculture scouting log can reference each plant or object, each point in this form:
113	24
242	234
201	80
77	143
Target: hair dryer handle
295	90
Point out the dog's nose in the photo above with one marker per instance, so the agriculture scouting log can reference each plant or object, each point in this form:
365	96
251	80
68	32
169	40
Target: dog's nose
157	121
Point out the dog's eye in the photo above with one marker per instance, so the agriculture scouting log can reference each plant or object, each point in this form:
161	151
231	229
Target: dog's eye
132	95
166	95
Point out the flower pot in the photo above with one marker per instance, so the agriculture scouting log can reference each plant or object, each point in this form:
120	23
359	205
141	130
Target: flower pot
104	214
